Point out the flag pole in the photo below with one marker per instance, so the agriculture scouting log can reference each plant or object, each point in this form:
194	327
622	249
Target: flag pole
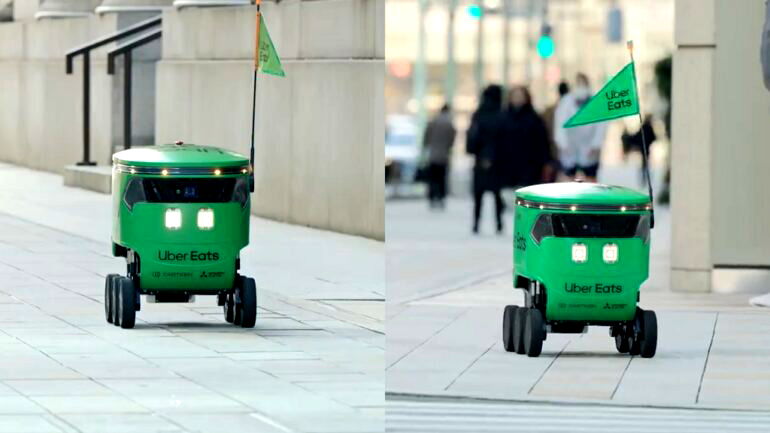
645	156
254	94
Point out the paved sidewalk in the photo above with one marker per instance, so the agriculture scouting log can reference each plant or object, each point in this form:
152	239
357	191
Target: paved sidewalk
444	329
713	352
313	363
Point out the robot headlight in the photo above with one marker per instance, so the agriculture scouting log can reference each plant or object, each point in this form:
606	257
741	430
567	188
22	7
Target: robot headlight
173	219
579	253
610	253
206	219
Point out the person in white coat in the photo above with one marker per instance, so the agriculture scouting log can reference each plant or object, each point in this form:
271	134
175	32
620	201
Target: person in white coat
579	147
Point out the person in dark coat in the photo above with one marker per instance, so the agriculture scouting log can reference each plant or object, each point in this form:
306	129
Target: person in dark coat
437	143
483	142
525	138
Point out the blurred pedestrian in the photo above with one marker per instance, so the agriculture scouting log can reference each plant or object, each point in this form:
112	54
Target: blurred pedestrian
553	167
580	147
525	141
483	142
437	145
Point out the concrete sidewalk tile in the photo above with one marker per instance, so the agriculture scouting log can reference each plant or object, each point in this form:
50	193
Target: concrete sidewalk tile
159	347
224	343
121	423
748	393
356	397
454	348
413	326
231	422
589	367
353	422
37	367
173	395
18	405
74	387
279	367
7	390
673	375
269	355
88	404
28	424
330	378
508	375
113	365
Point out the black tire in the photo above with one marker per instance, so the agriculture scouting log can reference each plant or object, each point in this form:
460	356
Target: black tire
127	303
248	303
634	346
518	329
534	332
621	341
635	333
649	343
237	296
229	308
109	283
115	307
509	337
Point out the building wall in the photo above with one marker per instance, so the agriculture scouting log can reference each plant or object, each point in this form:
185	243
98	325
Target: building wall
319	154
319	141
741	198
41	107
720	206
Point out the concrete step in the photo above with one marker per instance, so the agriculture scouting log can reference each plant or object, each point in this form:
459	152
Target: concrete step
94	178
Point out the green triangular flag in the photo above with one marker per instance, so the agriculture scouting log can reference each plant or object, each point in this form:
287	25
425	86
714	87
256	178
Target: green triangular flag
269	62
618	98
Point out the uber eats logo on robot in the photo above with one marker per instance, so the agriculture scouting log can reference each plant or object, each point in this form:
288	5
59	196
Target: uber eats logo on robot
593	288
193	256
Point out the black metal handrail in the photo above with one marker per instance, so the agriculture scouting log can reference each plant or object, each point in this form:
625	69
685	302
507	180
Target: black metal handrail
126	50
85	51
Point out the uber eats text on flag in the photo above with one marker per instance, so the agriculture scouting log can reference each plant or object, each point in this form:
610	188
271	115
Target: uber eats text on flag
268	59
618	98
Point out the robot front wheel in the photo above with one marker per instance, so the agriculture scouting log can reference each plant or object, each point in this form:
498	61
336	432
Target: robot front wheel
639	336
523	330
121	304
240	307
120	301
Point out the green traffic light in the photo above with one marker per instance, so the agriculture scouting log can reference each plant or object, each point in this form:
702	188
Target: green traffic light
545	47
475	11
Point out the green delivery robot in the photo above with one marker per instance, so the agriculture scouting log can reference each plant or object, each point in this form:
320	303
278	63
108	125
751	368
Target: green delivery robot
581	252
180	218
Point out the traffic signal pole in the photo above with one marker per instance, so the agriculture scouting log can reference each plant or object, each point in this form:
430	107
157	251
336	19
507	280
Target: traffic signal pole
478	70
506	42
451	67
419	77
